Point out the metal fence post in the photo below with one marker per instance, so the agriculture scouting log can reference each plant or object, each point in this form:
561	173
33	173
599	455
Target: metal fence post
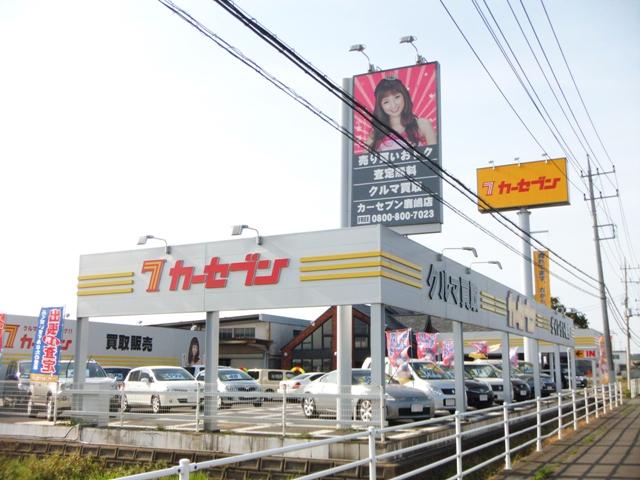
575	413
122	406
197	406
604	401
458	444
595	395
55	405
538	426
372	454
586	405
184	468
559	416
619	393
610	398
284	410
507	447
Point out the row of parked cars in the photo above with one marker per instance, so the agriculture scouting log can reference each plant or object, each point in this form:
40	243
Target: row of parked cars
414	391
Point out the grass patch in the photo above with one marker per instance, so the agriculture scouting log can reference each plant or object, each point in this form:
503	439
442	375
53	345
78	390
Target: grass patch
544	472
72	467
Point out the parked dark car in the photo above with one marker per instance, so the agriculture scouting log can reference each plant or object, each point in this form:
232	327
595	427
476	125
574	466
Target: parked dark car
119	373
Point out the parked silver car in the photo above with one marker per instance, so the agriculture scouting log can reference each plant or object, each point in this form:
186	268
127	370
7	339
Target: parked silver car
49	394
234	380
401	402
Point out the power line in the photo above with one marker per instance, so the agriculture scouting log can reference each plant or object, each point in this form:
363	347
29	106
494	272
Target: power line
337	91
291	93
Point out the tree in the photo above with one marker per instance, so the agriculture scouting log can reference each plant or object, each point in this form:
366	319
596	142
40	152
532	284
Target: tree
579	319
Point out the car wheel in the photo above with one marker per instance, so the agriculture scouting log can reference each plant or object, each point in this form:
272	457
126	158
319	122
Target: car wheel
31	408
125	404
156	406
257	404
309	408
50	408
365	410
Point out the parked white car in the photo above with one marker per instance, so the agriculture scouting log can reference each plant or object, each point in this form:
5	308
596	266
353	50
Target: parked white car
159	387
294	387
234	380
42	395
426	376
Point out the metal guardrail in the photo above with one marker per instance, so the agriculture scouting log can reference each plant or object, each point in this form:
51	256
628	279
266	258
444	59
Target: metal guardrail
565	406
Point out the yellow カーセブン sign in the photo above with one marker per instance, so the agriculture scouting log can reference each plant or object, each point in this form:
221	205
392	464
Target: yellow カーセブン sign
532	184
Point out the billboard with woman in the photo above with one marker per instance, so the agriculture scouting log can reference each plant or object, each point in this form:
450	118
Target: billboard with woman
391	183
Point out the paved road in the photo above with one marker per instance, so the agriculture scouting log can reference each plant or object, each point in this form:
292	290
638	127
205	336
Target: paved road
608	448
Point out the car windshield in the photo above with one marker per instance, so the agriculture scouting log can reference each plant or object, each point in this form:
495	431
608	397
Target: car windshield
172	374
93	370
526	368
233	375
24	369
482	371
429	371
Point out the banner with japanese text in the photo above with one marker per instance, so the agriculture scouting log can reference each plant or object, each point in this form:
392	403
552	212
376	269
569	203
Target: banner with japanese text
427	344
481	350
398	345
513	356
45	356
447	353
541	276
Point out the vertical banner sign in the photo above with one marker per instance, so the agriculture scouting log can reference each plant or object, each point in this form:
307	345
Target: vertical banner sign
604	366
541	275
2	322
447	353
389	184
513	356
427	344
398	344
46	345
481	349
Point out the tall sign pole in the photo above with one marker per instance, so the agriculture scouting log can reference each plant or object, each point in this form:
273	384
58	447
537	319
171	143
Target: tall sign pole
530	344
603	297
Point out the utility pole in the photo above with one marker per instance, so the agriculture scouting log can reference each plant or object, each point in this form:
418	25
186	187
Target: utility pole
603	297
627	315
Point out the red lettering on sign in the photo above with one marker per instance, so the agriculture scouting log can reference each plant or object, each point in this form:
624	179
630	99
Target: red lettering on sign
216	274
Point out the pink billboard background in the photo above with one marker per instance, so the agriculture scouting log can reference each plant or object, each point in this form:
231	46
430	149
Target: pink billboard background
420	81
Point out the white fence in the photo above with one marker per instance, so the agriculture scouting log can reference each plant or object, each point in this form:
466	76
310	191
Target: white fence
548	417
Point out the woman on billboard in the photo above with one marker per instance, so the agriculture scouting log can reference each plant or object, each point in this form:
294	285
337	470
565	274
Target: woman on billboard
394	108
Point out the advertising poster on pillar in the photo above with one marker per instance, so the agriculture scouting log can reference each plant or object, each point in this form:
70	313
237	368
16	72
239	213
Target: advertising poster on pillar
390	183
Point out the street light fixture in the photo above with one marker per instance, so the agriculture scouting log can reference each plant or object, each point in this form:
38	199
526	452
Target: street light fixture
359	47
237	230
410	39
439	256
491	262
143	240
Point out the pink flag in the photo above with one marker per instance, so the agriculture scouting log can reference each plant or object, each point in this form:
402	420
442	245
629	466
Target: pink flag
513	356
481	350
427	345
447	353
398	344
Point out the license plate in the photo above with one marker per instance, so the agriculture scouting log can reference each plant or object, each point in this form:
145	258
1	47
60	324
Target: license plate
484	398
523	392
449	402
416	407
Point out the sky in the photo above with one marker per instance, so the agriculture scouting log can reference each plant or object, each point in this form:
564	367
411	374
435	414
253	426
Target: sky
119	119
